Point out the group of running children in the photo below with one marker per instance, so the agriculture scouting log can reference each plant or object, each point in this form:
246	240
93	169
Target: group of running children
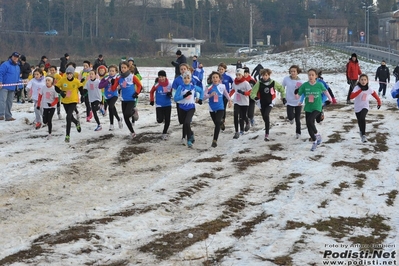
100	90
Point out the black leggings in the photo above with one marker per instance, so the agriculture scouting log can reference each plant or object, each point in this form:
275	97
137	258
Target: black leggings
217	120
48	117
240	113
310	123
69	108
163	115
295	112
112	109
87	103
383	87
187	116
251	109
352	85
266	117
128	111
225	101
361	120
95	106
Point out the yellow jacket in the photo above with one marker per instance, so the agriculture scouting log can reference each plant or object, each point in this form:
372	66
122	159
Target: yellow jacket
71	89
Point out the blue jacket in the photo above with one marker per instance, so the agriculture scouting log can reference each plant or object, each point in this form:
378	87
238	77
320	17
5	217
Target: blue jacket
187	103
9	73
216	102
227	80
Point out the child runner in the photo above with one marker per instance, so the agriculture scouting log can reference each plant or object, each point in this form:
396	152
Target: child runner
241	90
185	97
227	80
176	83
48	99
265	91
94	95
215	93
111	96
69	88
312	91
361	95
33	88
101	72
130	87
163	91
251	107
83	76
294	108
53	73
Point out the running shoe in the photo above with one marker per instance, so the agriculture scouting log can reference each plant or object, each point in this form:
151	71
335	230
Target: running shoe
78	128
67	139
98	128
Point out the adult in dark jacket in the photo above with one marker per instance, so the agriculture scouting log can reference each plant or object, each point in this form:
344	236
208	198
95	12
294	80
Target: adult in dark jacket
255	73
352	74
179	60
43	61
383	76
99	62
64	62
9	77
396	73
25	71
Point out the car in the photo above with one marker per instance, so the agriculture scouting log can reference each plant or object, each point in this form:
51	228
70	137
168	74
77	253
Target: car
51	32
246	50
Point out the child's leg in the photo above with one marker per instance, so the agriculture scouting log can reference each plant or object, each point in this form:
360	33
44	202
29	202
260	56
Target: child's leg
127	110
167	111
266	117
361	120
49	112
187	122
310	123
38	117
95	106
217	120
243	117
236	116
298	110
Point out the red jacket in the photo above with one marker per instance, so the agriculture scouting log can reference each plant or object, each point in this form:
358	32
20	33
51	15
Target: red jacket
353	70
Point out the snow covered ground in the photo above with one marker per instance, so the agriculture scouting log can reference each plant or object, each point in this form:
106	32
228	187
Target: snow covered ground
104	199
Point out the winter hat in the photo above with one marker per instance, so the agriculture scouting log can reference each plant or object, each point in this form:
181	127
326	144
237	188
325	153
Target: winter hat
178	52
102	67
131	59
16	54
23	58
70	69
354	55
161	73
240	71
66	55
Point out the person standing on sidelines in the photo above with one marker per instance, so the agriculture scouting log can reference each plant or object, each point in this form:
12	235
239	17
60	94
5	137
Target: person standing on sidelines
99	62
163	103
63	65
9	79
361	95
25	71
352	74
383	76
179	60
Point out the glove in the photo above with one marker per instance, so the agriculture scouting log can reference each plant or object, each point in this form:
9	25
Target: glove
152	103
256	98
38	107
169	94
187	94
284	101
241	92
378	106
327	102
49	104
296	91
63	94
135	95
200	102
82	80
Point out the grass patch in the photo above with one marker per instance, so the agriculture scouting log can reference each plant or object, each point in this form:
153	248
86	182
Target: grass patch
242	163
276	147
362	165
338	190
248	226
323	204
391	197
334	138
129	152
380	142
324	184
213	159
359	182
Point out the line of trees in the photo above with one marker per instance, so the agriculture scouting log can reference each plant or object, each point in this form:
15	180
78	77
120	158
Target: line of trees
141	21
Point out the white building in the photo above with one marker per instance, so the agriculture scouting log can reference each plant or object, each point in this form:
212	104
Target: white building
189	47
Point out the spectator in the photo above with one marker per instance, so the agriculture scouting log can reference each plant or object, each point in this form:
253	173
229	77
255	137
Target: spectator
396	73
43	61
9	76
64	62
99	62
195	62
352	74
25	71
383	76
179	60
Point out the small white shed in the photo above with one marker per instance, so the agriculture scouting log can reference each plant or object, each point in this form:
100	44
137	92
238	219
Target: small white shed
188	47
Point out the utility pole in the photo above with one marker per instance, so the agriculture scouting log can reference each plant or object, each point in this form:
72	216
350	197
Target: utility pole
210	26
250	27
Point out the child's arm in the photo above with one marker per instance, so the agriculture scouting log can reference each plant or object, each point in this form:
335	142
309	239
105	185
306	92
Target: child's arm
279	88
354	94
39	101
137	82
328	95
254	91
375	95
